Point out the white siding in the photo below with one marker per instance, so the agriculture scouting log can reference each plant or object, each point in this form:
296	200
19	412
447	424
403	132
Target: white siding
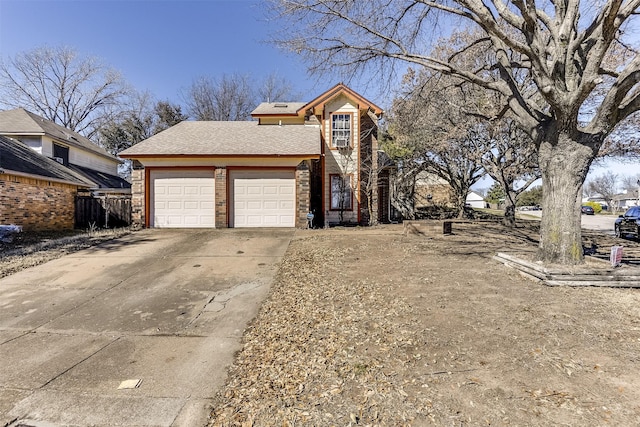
84	158
336	163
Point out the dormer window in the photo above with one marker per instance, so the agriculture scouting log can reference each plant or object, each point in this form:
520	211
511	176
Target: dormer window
61	154
340	130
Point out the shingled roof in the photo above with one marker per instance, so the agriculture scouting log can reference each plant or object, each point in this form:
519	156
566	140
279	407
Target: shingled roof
19	122
212	138
17	158
277	109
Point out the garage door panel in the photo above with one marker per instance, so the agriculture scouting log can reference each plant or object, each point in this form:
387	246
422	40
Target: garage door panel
286	191
270	220
183	198
254	190
175	190
263	198
191	191
269	190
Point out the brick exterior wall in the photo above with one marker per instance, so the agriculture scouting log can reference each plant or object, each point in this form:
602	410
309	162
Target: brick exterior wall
221	198
303	194
137	195
36	204
441	195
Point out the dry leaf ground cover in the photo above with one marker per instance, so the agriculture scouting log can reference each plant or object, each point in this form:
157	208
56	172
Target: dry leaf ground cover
28	249
370	327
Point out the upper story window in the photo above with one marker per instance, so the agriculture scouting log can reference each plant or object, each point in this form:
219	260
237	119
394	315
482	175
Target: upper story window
340	130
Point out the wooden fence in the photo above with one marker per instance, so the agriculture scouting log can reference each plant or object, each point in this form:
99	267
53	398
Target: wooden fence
105	211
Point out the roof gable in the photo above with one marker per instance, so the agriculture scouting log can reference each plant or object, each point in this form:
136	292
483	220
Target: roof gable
341	89
19	121
473	195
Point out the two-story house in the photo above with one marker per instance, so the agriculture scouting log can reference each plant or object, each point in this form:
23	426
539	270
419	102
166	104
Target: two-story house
67	147
319	157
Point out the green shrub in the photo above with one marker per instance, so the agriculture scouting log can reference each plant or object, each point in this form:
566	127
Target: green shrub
597	207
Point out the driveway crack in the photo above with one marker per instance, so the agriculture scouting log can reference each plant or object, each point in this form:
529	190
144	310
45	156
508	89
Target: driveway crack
79	362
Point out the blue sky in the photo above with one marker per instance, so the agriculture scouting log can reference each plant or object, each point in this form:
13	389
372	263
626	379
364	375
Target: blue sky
158	45
162	45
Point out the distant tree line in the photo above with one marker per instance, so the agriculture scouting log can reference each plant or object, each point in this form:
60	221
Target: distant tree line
85	95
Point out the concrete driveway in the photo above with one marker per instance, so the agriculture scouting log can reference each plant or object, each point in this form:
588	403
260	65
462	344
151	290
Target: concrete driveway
160	312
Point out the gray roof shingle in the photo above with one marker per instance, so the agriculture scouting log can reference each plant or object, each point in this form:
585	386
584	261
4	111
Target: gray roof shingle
22	122
17	157
230	139
286	108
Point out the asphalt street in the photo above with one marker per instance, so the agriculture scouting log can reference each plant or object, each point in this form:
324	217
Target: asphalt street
602	223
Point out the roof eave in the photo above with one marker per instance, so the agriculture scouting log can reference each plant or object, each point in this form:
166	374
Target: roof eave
227	156
296	114
43	178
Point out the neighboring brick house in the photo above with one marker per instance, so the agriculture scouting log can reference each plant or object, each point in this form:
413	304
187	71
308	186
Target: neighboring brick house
36	192
295	159
431	190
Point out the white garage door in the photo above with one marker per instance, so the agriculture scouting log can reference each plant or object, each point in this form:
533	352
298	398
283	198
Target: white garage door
263	199
182	199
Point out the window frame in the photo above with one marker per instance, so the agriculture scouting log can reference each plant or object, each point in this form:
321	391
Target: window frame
333	130
347	190
60	151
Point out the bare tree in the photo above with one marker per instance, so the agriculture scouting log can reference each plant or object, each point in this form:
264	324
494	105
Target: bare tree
228	98
60	85
275	88
429	119
512	163
585	78
606	186
452	107
630	183
460	170
234	96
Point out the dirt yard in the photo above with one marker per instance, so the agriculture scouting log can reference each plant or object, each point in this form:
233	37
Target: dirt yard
28	249
370	327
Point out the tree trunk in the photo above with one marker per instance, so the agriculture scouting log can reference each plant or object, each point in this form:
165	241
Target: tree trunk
404	193
564	164
509	212
460	200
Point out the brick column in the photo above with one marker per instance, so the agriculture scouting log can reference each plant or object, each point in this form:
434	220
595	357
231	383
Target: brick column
303	194
221	198
137	195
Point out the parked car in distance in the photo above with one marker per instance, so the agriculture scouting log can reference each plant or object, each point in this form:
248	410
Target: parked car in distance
629	223
587	210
